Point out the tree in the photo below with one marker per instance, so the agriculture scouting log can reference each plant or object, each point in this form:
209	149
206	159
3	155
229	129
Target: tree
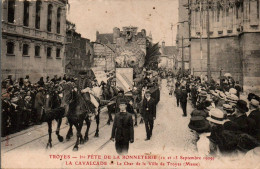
152	55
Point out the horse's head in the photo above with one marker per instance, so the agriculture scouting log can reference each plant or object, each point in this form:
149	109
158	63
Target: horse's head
66	95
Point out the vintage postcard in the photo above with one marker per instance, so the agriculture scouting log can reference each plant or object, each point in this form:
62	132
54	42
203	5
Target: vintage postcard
130	84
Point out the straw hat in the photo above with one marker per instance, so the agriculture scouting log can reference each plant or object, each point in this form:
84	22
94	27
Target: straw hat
217	116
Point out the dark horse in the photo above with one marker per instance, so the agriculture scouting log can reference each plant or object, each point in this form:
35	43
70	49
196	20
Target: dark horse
53	111
79	108
108	93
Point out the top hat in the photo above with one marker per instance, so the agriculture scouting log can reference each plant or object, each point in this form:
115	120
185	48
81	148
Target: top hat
199	124
242	106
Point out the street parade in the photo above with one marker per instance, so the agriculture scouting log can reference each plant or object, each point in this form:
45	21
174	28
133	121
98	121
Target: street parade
130	84
219	112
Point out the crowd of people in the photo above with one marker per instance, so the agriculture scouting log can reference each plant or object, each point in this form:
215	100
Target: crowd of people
22	101
221	117
220	114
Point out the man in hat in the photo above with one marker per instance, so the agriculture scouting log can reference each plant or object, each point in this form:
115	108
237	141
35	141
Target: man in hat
239	121
216	120
194	95
183	100
54	79
38	104
149	113
202	98
178	94
254	114
9	79
123	130
130	108
121	96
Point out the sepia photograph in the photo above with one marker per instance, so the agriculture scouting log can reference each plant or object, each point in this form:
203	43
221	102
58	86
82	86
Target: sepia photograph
130	84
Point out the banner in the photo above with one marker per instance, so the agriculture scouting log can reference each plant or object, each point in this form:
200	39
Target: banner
124	78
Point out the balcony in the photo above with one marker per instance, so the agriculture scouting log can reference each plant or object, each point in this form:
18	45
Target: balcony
19	30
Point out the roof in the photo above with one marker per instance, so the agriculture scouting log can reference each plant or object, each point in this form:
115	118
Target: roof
170	50
105	38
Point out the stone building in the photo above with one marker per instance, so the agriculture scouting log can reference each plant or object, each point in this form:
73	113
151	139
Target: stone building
33	38
79	53
234	29
183	36
110	48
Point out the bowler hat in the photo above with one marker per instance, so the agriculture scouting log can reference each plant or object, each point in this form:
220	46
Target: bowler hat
242	106
199	124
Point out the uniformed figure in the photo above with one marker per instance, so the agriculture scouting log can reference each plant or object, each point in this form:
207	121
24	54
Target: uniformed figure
83	83
123	129
121	96
149	114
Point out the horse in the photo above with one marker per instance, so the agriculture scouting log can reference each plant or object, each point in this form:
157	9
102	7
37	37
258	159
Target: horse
109	93
52	110
79	109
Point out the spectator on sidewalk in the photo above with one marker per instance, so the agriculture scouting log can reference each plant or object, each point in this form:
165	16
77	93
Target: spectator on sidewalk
254	114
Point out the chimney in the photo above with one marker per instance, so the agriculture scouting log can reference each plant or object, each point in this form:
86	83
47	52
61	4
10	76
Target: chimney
163	46
97	35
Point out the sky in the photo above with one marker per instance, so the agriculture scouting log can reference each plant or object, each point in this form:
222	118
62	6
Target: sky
156	16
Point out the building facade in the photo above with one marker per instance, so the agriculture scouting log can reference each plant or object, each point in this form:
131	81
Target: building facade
234	31
79	53
168	57
183	36
33	38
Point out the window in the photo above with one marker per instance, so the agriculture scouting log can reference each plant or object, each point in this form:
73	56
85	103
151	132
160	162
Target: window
57	53
49	19
257	5
37	51
38	14
49	52
10	48
11	9
25	49
58	20
218	14
26	13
